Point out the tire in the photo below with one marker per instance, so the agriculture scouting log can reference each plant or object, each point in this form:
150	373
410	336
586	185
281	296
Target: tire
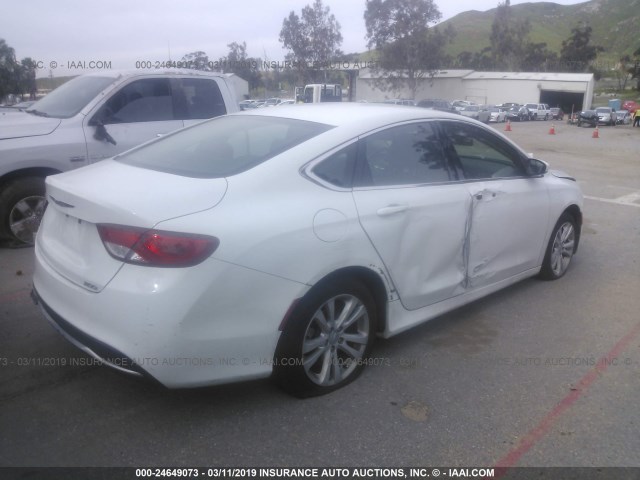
314	355
561	248
22	204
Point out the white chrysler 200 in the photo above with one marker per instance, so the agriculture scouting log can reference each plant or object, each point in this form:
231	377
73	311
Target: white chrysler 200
283	241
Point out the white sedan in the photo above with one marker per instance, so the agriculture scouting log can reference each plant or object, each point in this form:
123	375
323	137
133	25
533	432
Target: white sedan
284	240
497	114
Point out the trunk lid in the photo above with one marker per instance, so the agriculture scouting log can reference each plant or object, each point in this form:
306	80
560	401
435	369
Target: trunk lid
114	193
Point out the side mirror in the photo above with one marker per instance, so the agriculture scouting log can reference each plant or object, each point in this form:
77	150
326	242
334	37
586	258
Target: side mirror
102	134
536	167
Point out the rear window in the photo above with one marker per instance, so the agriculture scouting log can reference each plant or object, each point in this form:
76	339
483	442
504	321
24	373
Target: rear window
224	146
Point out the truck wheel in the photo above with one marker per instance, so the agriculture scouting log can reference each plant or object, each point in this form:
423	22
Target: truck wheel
22	204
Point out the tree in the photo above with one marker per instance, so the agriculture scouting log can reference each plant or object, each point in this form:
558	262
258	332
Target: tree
237	61
475	60
536	57
407	48
508	36
26	73
8	69
313	38
196	61
635	69
576	53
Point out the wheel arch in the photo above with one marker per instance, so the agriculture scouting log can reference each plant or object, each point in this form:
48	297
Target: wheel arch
374	281
576	213
27	172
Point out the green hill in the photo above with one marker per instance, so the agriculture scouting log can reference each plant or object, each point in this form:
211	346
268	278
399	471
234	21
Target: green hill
615	24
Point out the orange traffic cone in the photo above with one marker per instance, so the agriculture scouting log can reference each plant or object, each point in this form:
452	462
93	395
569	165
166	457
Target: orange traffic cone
552	130
507	127
596	134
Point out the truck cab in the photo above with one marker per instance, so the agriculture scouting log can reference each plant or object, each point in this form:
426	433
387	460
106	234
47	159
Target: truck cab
88	119
322	92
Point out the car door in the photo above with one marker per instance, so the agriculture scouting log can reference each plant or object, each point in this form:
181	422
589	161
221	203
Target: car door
139	111
415	217
510	209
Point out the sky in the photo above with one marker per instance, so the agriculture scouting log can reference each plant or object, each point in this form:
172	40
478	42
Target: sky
75	36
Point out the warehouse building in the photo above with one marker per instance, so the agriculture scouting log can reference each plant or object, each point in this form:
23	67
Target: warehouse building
570	91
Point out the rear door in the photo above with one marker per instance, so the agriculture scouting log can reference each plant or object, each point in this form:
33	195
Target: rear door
415	217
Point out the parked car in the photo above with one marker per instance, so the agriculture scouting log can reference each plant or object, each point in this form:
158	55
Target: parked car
401	101
460	104
588	117
437	104
518	114
476	112
556	113
284	240
623	117
90	118
271	102
497	114
606	116
539	111
248	104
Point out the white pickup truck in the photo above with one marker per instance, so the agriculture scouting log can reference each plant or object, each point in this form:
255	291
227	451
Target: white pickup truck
90	118
539	111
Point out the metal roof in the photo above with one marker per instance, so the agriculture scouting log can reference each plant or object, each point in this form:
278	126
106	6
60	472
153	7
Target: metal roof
537	76
474	75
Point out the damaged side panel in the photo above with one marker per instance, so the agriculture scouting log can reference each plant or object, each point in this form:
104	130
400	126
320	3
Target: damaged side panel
419	233
508	229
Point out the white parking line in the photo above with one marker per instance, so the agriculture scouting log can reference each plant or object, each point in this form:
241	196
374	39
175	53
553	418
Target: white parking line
629	200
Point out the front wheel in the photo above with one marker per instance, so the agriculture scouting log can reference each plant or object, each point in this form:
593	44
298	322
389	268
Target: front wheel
561	248
22	204
326	341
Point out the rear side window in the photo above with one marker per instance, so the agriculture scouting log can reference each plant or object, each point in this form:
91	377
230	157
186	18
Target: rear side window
224	146
197	98
338	169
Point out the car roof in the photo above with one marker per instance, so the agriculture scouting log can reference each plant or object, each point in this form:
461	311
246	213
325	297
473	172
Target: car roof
367	115
167	71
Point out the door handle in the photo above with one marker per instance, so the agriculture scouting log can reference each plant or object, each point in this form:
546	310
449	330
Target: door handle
391	210
489	194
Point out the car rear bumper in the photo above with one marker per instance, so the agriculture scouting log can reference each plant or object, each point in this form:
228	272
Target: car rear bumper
182	337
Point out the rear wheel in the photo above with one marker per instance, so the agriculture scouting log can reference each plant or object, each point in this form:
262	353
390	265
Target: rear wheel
560	249
326	341
22	204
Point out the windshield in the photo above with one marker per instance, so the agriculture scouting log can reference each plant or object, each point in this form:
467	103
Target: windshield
471	109
603	110
223	146
71	97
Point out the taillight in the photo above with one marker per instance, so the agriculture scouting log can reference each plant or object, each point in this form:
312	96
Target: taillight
156	248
